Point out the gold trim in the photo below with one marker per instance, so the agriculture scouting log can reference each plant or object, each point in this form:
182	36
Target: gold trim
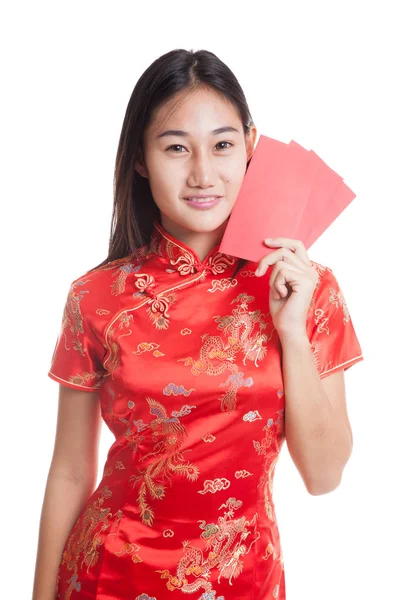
356	358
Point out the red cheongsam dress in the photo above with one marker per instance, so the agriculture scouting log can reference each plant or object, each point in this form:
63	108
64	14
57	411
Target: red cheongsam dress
187	364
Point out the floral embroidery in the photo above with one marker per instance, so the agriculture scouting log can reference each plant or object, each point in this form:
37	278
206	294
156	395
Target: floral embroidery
144	282
158	308
184	258
186	262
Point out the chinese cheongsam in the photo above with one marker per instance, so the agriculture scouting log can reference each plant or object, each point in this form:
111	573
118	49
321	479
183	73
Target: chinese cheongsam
187	365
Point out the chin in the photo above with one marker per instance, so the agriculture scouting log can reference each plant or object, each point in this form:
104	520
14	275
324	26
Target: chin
206	226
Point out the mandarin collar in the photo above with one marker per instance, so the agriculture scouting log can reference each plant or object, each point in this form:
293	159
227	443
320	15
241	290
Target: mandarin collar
183	259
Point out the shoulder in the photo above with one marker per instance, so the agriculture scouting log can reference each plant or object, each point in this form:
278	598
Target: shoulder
326	277
328	297
97	291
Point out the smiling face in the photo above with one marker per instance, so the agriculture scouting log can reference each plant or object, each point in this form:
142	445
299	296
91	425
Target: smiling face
186	156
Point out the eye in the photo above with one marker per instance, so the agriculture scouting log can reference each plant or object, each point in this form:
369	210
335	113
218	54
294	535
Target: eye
175	146
225	143
180	146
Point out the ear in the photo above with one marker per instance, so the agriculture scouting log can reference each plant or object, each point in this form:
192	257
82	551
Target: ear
251	142
141	169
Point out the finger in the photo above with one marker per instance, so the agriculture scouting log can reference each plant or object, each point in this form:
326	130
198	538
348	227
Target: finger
283	254
281	275
296	246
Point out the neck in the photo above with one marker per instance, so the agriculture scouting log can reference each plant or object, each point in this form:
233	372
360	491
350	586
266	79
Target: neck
200	242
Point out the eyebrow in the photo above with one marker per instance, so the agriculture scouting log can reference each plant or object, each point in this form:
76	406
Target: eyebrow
179	132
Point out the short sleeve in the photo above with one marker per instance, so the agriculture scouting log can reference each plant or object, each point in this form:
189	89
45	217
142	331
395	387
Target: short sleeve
333	339
77	360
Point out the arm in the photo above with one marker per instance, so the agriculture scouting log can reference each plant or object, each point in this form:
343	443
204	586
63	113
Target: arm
71	480
317	427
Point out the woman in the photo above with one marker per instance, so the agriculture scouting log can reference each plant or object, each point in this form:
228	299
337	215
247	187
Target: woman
200	366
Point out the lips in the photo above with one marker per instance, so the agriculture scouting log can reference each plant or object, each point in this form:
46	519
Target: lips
202	198
202	202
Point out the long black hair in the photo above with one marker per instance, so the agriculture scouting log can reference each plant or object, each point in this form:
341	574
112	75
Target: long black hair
134	209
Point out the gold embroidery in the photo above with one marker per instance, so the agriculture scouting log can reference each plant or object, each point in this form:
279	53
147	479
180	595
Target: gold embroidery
215	485
118	465
121	275
95	378
159	303
158	308
337	299
144	282
148	347
187	266
184	258
128	548
242	474
225	543
321	321
168	436
219	262
167	533
247	273
88	533
222	284
72	316
274	436
114	358
217	356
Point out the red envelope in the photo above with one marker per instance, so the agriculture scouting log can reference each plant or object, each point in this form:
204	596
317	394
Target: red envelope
287	191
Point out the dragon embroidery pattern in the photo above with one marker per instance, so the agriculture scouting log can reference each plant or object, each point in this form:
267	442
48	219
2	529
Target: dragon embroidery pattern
217	355
225	543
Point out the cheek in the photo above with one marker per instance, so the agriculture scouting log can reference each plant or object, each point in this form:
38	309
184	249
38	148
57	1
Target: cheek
164	187
233	173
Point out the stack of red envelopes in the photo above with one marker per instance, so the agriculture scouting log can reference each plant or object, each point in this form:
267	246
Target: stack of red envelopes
287	191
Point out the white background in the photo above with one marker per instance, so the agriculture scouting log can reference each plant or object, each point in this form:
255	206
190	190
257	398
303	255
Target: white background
325	74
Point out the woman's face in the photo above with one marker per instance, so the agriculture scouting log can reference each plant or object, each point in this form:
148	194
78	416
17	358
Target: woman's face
195	161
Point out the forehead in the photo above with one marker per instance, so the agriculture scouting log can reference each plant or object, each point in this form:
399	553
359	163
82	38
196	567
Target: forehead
195	110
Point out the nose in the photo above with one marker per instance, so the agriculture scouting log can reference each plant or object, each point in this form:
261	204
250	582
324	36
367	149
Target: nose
201	170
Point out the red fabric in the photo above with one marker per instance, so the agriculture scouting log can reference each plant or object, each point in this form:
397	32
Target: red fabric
188	369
